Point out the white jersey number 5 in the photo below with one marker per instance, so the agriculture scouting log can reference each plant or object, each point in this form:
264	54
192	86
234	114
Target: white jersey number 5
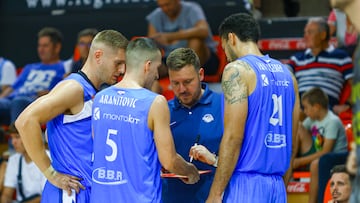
111	144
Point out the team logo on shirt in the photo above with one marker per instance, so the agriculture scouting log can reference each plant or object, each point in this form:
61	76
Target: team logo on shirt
96	114
120	92
207	118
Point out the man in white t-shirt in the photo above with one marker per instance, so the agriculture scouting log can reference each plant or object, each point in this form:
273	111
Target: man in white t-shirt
22	175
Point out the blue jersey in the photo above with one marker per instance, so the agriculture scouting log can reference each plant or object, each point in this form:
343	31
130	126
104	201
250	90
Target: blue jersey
126	167
38	77
267	143
205	119
70	140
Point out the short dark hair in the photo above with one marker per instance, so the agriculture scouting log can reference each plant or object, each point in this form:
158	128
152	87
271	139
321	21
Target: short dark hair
54	34
316	96
140	50
88	32
341	169
181	57
243	25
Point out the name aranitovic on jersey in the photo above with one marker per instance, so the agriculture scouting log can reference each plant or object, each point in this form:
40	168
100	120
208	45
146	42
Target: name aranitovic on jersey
271	67
118	101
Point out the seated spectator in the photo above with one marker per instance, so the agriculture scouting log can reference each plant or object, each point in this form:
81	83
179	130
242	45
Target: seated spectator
178	24
320	133
7	74
340	185
323	167
21	174
344	31
84	40
322	65
36	79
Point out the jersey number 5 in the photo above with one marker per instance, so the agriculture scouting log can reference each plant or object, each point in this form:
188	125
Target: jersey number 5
112	145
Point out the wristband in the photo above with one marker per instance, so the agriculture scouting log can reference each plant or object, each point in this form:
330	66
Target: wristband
49	172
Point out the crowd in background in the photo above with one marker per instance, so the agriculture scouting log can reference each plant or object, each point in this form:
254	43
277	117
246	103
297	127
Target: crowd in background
322	72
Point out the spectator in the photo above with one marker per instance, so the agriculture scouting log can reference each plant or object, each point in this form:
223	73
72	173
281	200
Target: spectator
320	133
340	185
346	34
140	139
84	40
21	174
36	79
7	74
67	112
324	166
197	117
322	65
261	113
177	24
350	7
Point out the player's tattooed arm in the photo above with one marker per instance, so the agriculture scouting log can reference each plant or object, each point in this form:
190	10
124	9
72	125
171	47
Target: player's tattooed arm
234	82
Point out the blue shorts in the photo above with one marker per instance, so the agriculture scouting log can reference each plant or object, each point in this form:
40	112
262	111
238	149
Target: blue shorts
255	188
53	194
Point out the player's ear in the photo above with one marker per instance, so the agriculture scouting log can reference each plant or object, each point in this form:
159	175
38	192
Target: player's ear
147	66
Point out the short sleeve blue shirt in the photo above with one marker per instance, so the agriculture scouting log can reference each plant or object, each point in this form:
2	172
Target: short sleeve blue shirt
205	119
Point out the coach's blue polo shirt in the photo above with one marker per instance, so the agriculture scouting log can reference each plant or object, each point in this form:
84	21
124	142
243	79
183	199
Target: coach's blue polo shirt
205	119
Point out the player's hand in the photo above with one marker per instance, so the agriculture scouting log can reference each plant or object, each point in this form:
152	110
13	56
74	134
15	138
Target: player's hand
193	176
201	153
66	182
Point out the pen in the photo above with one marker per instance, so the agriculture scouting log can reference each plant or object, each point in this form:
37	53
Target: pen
195	144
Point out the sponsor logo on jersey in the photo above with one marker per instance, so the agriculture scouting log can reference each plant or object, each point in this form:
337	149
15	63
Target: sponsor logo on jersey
105	176
275	140
124	118
96	114
265	80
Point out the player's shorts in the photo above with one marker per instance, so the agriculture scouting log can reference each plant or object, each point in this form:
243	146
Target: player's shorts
255	188
52	194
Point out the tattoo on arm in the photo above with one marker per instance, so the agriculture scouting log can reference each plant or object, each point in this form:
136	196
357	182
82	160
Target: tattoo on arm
234	84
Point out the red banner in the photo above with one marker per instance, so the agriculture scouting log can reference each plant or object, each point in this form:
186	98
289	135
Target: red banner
278	44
